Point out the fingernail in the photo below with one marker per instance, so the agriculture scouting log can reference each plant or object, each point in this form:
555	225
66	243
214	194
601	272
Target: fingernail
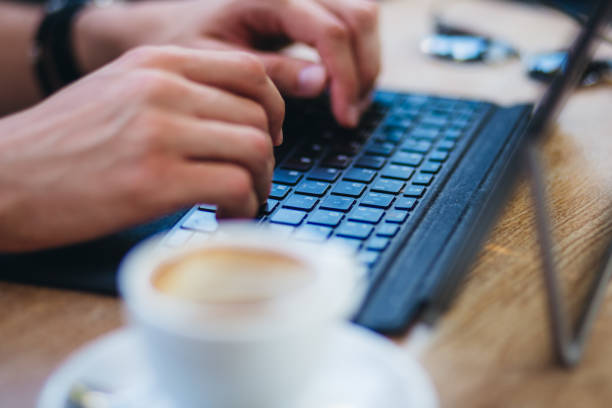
354	112
280	137
311	80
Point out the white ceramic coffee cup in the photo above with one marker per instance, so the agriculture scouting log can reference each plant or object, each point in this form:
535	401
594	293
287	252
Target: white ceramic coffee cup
262	360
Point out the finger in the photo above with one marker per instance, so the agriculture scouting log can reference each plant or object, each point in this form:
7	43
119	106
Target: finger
229	187
244	146
362	18
295	77
292	76
313	24
179	94
237	72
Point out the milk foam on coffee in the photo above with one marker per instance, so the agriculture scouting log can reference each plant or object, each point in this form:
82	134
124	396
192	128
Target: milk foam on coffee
232	275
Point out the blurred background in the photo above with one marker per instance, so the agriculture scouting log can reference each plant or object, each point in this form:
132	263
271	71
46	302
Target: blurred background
516	23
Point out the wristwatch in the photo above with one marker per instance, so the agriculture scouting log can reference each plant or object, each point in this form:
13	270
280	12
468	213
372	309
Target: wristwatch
54	61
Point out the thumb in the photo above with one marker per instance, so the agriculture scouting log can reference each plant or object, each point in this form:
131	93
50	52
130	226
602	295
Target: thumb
295	77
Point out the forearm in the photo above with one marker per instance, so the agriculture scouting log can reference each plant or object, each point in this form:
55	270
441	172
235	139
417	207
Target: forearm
18	25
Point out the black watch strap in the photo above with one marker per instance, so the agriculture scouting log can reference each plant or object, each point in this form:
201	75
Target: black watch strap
54	60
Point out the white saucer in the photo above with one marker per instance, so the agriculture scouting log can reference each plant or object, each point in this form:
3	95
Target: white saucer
363	370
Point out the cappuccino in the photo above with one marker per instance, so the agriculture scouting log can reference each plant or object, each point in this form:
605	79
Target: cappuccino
232	275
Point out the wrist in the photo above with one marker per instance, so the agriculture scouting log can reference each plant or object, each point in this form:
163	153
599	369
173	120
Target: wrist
97	36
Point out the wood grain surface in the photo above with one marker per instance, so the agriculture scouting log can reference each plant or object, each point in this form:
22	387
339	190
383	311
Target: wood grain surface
492	349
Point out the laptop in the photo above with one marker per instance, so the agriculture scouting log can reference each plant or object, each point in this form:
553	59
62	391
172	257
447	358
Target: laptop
412	191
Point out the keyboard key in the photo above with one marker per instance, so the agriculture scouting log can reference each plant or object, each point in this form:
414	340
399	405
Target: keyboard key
399	121
396	216
414	191
425	133
352	244
348	148
405	203
438	156
204	221
408	111
363	175
408	159
269	206
387	230
324	174
337	203
289	217
430	167
311	187
378	244
434	120
390	135
445	104
279	191
377	200
464	116
382	149
325	217
397	171
416	146
464	109
368	257
340	161
452	134
446	145
315	233
347	188
299	163
301	202
290	177
371	162
462	122
356	230
366	214
422	179
388	186
312	150
415	100
444	109
464	113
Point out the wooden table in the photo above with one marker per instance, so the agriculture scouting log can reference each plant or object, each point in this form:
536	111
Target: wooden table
492	348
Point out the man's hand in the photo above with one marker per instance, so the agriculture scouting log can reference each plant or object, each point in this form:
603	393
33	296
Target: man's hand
344	32
158	130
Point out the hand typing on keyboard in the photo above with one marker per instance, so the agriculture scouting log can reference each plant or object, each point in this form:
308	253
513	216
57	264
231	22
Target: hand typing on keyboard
344	32
155	131
186	111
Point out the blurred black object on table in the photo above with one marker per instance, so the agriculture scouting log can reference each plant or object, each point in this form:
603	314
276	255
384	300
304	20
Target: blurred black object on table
458	42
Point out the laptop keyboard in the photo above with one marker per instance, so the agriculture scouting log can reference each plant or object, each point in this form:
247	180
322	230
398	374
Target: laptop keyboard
360	187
